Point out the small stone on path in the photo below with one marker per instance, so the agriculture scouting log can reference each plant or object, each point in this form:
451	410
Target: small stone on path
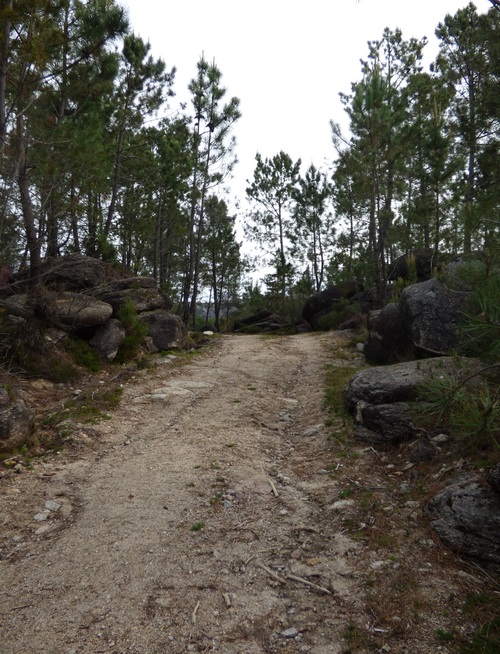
290	633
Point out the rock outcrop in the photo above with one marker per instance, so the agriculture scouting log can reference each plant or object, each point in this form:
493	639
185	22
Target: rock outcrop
108	338
141	292
166	330
466	517
76	310
17	424
425	322
383	399
261	321
84	296
333	301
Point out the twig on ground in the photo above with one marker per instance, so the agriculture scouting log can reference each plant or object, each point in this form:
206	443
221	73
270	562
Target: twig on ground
300	580
271	573
227	600
273	488
195	611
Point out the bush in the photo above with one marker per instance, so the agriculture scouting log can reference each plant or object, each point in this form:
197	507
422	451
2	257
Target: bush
469	409
341	312
481	331
135	333
83	354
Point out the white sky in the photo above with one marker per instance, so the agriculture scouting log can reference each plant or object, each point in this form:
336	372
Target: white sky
287	61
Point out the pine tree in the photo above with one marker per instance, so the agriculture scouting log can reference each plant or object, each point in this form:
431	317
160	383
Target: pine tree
313	221
271	226
212	160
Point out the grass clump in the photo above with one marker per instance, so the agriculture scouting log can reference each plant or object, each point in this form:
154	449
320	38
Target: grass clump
484	609
83	354
336	380
88	409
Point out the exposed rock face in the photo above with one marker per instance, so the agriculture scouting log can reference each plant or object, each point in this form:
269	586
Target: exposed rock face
424	262
17	424
258	316
325	302
426	321
77	310
382	398
493	477
388	341
263	321
141	292
466	517
384	422
59	309
166	330
396	383
74	272
432	313
108	339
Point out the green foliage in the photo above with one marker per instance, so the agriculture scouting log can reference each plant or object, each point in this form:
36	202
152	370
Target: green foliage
469	408
484	609
484	641
411	278
24	347
336	380
481	331
88	408
135	332
83	354
341	311
271	227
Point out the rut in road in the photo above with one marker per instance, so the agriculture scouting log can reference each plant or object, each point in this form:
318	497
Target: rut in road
201	524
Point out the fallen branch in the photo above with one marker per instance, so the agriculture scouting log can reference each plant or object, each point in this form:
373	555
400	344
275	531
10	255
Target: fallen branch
271	573
300	580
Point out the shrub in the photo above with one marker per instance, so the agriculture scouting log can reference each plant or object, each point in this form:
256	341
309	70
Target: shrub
83	354
469	409
135	332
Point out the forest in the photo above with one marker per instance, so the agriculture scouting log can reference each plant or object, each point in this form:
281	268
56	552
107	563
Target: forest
95	159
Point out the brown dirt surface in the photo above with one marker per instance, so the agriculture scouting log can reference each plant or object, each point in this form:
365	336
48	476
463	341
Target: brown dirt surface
221	510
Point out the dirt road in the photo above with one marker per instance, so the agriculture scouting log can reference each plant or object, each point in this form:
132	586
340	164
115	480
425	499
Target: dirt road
206	520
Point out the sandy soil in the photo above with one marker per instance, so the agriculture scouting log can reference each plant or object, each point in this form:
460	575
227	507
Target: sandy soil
215	513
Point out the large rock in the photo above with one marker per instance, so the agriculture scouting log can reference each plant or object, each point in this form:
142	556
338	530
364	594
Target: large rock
58	308
17	424
77	310
388	340
432	313
258	316
108	339
166	330
73	272
383	423
262	321
493	477
418	263
382	398
140	292
399	382
466	517
325	302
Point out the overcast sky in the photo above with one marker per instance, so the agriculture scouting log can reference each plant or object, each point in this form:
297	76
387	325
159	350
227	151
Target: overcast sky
287	61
